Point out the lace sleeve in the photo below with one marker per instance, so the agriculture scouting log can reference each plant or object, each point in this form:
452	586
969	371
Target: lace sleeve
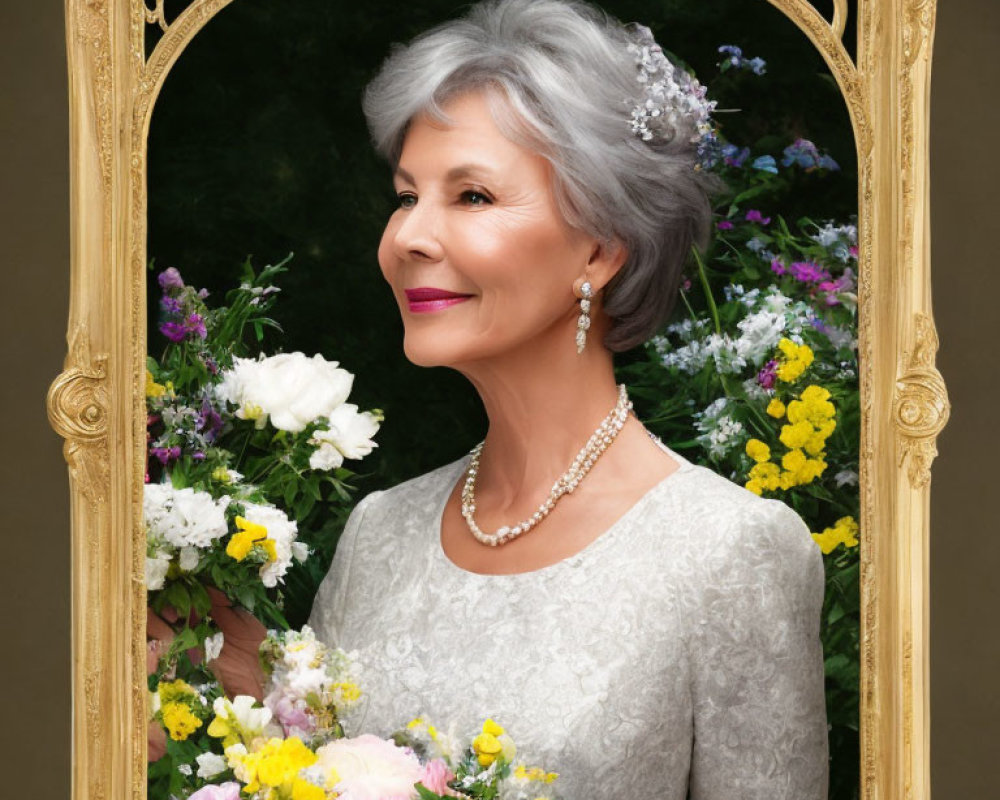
327	610
757	664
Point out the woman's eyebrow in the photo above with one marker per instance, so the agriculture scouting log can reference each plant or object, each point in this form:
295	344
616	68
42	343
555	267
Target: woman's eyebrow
461	171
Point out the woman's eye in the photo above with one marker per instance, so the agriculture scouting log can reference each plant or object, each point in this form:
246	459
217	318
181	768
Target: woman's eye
476	198
405	200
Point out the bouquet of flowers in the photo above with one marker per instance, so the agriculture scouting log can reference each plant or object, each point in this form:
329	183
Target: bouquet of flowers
213	536
292	746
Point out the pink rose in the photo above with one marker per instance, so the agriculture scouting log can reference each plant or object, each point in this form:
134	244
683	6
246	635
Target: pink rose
223	791
370	768
435	776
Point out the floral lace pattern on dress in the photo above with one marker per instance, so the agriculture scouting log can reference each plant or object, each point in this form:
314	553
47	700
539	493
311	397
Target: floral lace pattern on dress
678	652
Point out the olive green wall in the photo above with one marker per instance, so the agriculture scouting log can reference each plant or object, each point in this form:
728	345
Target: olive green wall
965	550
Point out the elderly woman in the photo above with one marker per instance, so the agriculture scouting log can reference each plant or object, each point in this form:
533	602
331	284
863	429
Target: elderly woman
637	622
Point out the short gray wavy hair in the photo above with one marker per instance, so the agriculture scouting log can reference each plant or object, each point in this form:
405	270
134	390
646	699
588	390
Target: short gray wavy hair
567	87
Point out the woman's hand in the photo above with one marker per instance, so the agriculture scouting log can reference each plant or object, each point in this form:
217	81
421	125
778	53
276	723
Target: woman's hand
160	636
237	667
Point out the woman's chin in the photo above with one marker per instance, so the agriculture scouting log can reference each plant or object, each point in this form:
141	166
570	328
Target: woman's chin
431	351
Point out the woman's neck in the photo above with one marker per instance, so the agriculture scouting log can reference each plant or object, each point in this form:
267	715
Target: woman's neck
543	400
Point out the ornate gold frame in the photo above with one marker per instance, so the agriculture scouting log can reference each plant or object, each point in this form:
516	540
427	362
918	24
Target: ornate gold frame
98	405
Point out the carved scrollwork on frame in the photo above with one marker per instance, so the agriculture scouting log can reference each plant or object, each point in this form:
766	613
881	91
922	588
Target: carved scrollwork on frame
78	411
114	86
920	407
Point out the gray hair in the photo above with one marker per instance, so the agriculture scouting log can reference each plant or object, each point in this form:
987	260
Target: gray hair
567	85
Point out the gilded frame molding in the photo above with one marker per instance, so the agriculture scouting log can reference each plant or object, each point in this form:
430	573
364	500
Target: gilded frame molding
97	403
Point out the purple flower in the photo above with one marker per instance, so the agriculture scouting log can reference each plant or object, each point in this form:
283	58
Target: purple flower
198	455
768	375
166	454
724	225
174	331
818	324
753	215
734	156
170	305
203	293
853	251
808	272
777	267
765	164
735	53
170	278
209	421
195	324
804	153
735	60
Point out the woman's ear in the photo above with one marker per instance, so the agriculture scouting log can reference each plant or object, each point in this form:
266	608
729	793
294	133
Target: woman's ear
605	260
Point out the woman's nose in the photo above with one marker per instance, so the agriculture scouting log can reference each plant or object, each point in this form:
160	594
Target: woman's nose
417	237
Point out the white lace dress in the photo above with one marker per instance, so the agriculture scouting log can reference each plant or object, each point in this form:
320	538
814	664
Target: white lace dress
677	653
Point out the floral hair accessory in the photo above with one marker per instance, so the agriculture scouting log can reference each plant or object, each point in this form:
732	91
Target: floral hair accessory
673	102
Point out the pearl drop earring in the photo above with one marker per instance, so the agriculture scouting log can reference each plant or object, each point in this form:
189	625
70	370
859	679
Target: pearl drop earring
583	323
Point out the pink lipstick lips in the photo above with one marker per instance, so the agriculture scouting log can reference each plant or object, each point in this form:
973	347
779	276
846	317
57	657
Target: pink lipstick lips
427	298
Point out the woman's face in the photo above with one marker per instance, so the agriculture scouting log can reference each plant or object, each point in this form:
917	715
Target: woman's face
477	218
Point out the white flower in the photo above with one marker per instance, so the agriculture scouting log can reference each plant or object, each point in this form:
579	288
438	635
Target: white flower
846	476
184	769
282	531
349	436
290	389
210	765
188	559
156	571
300	551
369	768
213	646
253	721
183	517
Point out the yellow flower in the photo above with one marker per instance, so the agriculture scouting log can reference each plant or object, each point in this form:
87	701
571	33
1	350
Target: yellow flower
303	790
844	531
758	450
776	408
492	727
797	358
250	411
276	763
242	543
796	435
534	774
177	690
487	748
179	721
153	389
755	485
350	692
767	473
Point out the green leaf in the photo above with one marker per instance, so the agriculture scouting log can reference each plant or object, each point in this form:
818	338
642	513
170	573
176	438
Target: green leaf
177	595
200	600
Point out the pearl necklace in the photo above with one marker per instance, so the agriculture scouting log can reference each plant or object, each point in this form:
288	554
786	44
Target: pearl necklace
599	441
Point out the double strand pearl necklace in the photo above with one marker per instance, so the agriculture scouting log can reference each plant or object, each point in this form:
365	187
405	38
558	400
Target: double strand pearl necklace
599	441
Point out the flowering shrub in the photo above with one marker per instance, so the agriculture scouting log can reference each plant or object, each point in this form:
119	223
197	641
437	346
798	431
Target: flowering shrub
764	343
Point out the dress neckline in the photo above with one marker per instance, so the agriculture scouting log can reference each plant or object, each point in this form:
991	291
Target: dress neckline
601	541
